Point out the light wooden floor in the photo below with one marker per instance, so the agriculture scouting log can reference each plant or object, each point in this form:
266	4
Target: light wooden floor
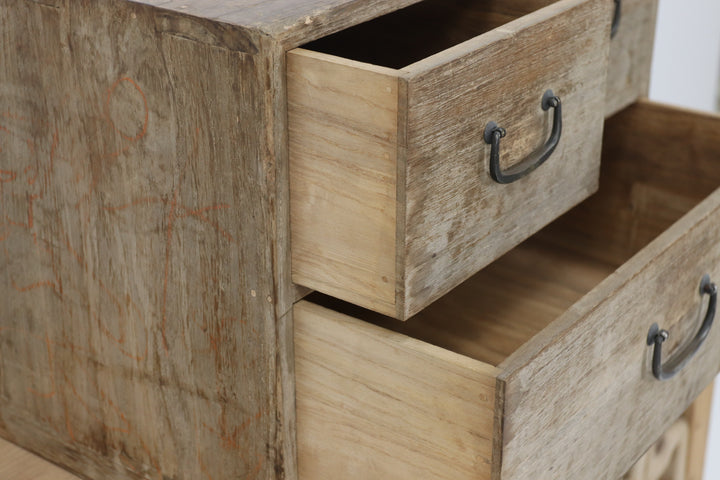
19	464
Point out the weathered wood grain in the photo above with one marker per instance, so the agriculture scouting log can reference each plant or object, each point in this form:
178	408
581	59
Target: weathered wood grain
139	269
375	404
342	119
458	219
561	388
631	51
290	22
566	330
19	464
424	126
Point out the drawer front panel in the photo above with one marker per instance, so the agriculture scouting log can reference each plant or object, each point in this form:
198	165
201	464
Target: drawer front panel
458	219
585	384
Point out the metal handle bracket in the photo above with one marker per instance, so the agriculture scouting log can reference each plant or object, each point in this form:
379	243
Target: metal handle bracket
657	337
493	133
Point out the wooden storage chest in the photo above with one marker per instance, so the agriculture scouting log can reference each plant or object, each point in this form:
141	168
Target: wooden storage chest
163	180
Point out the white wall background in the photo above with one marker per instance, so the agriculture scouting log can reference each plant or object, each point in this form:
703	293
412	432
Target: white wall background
686	72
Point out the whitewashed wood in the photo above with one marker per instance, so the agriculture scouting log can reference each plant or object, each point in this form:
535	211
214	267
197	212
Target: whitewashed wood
566	329
452	218
375	404
290	22
139	335
631	51
563	388
458	219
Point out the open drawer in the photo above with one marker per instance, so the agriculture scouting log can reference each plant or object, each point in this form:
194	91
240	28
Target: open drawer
540	365
396	194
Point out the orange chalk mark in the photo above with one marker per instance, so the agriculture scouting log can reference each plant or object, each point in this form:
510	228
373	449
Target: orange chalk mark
203	468
7	176
30	168
168	242
145	104
33	286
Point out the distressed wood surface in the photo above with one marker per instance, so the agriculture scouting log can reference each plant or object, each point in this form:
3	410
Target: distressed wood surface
19	464
138	332
458	219
375	404
342	119
567	332
562	388
350	145
631	51
290	22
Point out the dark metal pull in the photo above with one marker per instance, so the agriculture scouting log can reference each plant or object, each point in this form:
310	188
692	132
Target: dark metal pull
493	134
657	337
616	18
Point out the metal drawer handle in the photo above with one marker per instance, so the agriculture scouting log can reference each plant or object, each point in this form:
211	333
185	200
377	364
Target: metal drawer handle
657	337
493	134
616	19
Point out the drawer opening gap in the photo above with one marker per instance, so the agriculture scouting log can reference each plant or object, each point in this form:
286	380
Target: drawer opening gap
406	36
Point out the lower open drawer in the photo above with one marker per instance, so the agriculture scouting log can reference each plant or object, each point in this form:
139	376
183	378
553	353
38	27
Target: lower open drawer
539	366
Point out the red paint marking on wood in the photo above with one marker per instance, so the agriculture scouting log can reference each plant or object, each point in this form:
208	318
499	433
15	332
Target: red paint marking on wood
203	468
152	459
7	176
143	131
33	286
32	178
168	242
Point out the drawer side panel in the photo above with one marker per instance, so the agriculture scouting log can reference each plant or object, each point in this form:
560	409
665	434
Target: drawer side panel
376	404
342	118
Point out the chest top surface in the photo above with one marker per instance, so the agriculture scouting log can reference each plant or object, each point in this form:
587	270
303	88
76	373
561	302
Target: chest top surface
291	22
